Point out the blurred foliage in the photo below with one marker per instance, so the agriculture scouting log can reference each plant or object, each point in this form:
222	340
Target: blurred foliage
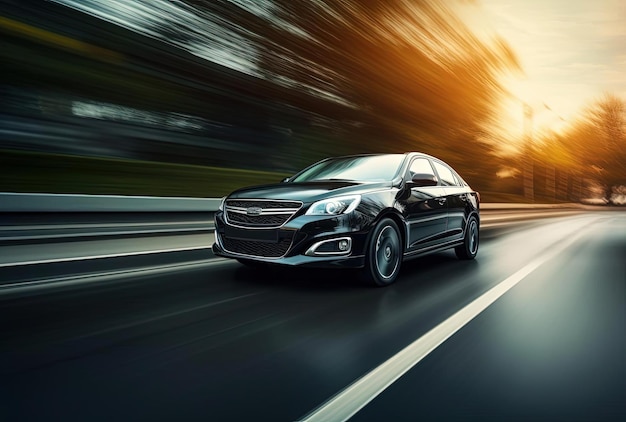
411	75
593	147
603	133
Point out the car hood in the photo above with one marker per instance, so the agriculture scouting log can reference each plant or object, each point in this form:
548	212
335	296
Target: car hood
308	191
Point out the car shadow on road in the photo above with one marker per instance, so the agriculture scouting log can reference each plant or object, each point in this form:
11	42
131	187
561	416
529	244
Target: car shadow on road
421	272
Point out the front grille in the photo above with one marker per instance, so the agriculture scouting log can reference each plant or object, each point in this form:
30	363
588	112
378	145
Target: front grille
258	220
242	203
257	248
259	212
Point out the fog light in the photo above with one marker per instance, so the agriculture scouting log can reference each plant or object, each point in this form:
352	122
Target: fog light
341	246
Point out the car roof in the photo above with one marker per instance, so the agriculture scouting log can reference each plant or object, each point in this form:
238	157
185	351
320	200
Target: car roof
368	154
422	154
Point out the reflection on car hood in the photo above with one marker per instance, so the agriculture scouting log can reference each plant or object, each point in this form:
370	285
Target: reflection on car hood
307	191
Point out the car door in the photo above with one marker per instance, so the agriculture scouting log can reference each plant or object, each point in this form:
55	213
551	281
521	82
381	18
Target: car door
456	198
426	208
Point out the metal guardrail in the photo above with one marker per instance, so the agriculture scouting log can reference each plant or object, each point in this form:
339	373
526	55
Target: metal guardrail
515	206
59	241
39	217
62	203
42	229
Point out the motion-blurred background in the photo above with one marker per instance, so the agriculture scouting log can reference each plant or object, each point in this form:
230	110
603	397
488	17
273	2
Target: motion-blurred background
196	98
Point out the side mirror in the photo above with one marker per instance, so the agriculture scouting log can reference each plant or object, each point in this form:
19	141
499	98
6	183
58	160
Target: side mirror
286	179
423	179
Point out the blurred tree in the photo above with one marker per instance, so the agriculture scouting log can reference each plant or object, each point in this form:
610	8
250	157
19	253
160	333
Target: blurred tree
394	75
552	152
598	142
417	74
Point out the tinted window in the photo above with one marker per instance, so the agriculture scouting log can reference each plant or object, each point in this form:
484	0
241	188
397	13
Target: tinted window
420	165
365	168
445	175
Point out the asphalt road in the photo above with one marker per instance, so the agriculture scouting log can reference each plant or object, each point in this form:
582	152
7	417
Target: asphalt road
533	329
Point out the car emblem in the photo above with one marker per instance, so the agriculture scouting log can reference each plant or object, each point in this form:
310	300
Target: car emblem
254	211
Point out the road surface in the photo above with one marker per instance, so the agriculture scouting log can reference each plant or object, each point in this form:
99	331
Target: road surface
533	329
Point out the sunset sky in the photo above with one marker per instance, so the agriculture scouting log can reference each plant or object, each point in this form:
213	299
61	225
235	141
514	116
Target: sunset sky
571	52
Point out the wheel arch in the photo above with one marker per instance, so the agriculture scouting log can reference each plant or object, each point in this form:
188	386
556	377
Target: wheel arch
397	218
474	213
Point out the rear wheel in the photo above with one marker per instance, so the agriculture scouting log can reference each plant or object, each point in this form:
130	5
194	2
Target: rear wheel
469	248
384	254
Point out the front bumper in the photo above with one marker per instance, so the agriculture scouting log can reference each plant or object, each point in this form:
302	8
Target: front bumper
349	261
288	244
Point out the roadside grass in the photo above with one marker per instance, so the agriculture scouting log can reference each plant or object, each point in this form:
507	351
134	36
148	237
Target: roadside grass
22	171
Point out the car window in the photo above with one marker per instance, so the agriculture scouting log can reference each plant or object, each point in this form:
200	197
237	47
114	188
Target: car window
420	165
445	174
362	168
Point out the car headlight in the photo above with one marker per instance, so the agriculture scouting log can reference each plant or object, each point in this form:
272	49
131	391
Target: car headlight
335	206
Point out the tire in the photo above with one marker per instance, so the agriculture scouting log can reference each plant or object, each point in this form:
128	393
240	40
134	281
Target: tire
383	256
469	248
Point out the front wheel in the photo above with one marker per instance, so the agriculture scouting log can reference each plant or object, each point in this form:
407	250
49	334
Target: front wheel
469	248
384	254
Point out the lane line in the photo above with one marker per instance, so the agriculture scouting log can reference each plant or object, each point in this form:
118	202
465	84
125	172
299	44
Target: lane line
90	257
102	276
357	395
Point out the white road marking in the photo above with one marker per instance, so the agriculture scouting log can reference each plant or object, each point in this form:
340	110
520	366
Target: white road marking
89	257
357	395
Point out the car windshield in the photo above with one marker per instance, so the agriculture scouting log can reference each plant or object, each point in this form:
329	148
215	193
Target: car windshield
367	168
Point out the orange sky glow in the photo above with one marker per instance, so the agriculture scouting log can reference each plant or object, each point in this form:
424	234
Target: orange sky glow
571	52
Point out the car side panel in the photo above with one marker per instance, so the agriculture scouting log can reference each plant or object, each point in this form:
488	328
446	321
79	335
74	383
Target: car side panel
426	215
457	213
461	203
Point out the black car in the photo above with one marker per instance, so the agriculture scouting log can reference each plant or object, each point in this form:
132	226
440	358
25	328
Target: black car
364	211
